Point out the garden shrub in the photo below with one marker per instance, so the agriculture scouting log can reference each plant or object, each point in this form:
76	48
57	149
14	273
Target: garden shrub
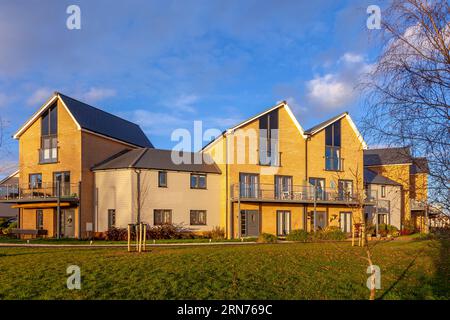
330	233
298	235
408	228
267	238
217	233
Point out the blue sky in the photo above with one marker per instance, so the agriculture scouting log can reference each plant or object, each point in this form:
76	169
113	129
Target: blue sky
164	64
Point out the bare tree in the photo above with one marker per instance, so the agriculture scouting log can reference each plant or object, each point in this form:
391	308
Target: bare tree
408	90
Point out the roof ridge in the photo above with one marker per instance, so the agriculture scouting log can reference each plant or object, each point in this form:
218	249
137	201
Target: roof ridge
334	118
133	164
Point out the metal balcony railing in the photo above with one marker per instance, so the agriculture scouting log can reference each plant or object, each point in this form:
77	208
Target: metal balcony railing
296	193
39	191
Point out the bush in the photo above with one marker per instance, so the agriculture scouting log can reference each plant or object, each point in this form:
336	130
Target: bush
330	233
217	233
298	235
267	238
408	228
118	234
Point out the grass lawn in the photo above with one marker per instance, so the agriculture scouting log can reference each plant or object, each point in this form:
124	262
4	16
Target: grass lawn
410	270
104	242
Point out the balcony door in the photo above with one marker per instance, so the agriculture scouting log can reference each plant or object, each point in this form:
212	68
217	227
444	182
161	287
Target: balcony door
345	221
345	189
319	185
63	179
249	185
283	222
283	187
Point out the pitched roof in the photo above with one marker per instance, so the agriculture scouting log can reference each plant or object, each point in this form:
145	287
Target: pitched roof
97	121
105	123
243	123
374	178
376	157
326	123
13	178
149	158
420	165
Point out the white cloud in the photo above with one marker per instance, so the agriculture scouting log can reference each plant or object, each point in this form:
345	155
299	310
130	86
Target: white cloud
330	91
39	96
185	102
337	89
352	58
96	94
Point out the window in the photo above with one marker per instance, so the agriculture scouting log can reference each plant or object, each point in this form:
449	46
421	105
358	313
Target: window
268	139
283	187
198	217
63	179
162	179
111	218
345	189
333	160
383	191
283	223
35	180
382	219
49	121
198	181
319	185
49	128
162	216
39	219
249	185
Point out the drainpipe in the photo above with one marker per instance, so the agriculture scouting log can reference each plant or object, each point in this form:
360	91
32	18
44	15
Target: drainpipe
58	211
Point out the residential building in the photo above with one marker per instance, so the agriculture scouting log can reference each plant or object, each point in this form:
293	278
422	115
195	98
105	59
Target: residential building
58	146
8	186
397	164
387	197
147	185
277	177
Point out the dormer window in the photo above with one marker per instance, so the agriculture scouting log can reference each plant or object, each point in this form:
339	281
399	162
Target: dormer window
48	153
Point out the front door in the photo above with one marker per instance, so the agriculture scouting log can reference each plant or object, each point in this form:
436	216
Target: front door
345	221
249	223
68	223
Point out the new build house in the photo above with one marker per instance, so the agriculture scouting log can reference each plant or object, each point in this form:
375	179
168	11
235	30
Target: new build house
83	170
277	177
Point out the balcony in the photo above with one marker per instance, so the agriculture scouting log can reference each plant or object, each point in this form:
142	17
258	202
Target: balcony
416	205
39	192
296	194
334	164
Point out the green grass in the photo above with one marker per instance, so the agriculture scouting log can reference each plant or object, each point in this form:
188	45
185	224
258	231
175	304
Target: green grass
105	242
410	270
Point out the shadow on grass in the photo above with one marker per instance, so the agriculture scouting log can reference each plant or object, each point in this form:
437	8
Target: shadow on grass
6	255
402	275
441	283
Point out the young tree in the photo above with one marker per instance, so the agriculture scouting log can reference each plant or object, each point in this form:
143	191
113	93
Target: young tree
408	90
